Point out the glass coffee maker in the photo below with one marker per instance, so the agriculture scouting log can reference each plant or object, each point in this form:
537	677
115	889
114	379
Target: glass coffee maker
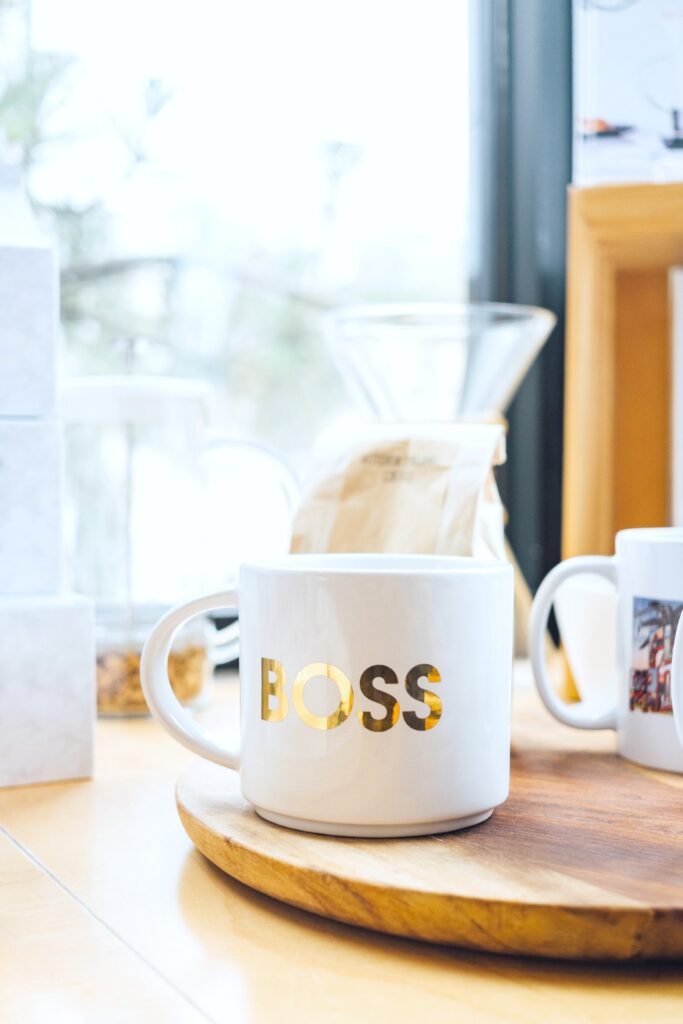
437	361
151	503
441	362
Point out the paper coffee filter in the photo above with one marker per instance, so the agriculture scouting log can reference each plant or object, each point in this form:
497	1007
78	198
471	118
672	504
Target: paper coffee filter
425	488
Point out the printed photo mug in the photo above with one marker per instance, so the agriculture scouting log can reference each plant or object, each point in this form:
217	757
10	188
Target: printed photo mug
647	571
374	691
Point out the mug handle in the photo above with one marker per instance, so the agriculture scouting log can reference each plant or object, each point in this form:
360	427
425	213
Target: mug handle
579	715
677	680
156	685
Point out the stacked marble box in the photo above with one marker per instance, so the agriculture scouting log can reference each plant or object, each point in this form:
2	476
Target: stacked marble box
47	645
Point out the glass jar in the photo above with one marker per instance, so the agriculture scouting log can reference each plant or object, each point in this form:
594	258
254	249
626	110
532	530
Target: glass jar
119	646
143	478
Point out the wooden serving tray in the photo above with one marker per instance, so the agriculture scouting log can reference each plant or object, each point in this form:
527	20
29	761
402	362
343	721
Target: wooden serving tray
584	861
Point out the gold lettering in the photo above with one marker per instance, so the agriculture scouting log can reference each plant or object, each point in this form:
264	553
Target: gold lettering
433	702
273	688
342	712
369	690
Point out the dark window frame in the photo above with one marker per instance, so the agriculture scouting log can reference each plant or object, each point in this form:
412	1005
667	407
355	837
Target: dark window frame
522	139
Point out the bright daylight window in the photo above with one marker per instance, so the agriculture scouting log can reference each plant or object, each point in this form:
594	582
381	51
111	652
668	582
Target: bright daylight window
218	174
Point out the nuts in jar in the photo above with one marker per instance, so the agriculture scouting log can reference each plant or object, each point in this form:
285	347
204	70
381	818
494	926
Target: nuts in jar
118	678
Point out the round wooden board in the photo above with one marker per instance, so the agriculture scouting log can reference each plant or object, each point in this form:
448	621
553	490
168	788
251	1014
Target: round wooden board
584	861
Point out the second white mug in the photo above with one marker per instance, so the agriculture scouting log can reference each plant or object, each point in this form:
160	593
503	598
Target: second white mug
647	571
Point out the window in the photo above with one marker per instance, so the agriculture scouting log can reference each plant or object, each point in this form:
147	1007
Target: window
218	174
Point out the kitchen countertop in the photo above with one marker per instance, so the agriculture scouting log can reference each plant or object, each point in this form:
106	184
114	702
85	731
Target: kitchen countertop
107	912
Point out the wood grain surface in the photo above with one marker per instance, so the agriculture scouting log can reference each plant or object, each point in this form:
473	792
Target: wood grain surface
59	963
114	849
584	861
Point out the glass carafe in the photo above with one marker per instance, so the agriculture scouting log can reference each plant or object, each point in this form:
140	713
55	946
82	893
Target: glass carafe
143	478
431	361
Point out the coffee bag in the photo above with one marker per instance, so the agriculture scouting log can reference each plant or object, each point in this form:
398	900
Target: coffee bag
406	488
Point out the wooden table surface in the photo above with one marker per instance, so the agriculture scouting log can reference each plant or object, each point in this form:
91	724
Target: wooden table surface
107	912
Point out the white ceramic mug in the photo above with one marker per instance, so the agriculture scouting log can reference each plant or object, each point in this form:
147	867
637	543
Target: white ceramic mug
647	570
375	691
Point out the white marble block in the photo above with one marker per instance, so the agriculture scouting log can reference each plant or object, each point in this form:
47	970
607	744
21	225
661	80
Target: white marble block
29	307
47	688
30	506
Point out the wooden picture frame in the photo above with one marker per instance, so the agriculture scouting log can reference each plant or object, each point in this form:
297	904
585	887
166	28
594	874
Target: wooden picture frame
617	450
